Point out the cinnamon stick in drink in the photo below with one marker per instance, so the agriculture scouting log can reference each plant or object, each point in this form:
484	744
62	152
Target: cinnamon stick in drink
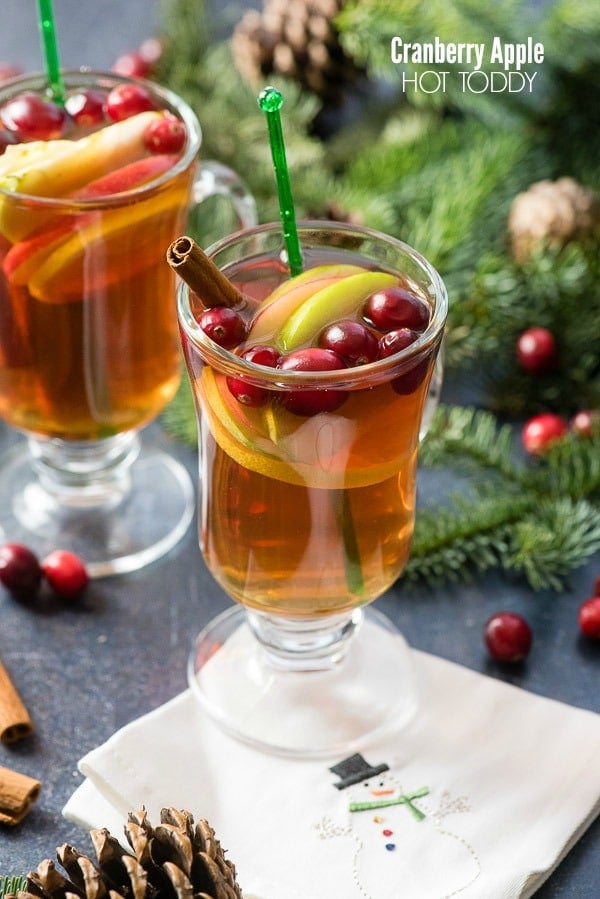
15	722
18	792
201	274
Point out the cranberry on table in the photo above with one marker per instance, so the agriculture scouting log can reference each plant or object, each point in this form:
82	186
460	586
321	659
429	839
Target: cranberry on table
131	64
87	107
309	401
589	618
31	117
223	325
126	100
353	341
396	307
66	573
536	350
508	637
167	135
541	431
584	422
20	570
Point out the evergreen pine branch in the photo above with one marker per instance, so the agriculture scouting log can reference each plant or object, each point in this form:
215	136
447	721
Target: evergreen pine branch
10	885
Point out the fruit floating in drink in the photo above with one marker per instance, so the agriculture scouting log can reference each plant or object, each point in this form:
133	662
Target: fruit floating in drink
311	398
91	193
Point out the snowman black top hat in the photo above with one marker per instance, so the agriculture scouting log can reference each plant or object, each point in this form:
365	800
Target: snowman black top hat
354	769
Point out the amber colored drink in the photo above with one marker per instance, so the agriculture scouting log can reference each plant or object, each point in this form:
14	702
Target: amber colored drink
306	516
89	344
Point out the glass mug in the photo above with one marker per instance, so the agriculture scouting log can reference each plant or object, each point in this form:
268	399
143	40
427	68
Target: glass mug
89	347
305	519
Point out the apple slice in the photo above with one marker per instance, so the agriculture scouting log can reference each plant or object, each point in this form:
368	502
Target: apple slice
58	174
98	252
285	299
338	300
26	256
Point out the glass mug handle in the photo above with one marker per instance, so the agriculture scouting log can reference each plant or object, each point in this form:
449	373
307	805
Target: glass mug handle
215	179
433	393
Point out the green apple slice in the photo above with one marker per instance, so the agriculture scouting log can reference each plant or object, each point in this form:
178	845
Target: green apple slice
338	300
285	299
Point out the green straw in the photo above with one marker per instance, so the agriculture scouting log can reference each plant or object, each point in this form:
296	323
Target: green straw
49	46
270	101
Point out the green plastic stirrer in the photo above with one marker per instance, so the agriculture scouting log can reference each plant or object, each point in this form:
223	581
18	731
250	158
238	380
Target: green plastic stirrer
50	48
270	101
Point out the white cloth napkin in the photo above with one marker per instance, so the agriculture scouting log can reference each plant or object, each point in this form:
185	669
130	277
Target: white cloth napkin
509	782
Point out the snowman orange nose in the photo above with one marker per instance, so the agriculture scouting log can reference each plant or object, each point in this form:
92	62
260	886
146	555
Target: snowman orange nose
381	792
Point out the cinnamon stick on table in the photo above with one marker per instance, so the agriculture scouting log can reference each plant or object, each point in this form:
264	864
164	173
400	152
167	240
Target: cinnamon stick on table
15	722
18	792
201	274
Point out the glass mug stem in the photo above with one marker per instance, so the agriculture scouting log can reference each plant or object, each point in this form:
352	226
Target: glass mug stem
313	644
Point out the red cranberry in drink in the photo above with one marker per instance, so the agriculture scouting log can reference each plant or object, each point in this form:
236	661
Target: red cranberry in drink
351	340
31	117
395	341
253	394
126	100
20	570
396	307
223	325
508	637
87	107
167	135
311	401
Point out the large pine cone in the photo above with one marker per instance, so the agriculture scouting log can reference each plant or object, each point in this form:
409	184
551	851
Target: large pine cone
175	860
296	39
551	213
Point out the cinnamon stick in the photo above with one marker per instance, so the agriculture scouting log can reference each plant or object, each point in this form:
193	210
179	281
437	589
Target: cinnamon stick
15	722
18	792
201	274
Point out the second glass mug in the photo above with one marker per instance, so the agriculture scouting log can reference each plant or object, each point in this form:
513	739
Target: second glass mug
89	353
305	519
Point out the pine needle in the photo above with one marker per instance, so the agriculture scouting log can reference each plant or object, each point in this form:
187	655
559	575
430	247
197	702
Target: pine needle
10	885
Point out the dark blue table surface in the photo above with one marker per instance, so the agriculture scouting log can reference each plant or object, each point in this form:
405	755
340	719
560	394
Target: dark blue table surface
87	670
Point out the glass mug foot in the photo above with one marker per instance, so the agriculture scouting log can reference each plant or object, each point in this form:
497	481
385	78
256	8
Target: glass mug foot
364	692
133	515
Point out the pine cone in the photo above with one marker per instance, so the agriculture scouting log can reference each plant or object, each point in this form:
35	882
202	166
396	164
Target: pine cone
551	213
175	860
296	39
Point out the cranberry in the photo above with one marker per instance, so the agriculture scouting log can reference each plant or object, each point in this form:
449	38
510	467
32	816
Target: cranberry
8	70
314	400
223	325
167	135
151	51
87	107
508	637
395	341
253	394
396	307
542	430
6	138
351	340
589	618
131	65
536	350
66	573
33	118
260	354
20	570
584	423
126	100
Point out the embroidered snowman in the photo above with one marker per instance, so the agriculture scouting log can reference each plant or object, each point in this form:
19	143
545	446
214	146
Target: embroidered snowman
399	847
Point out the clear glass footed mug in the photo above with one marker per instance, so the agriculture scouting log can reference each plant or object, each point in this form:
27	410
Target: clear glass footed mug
307	498
89	347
